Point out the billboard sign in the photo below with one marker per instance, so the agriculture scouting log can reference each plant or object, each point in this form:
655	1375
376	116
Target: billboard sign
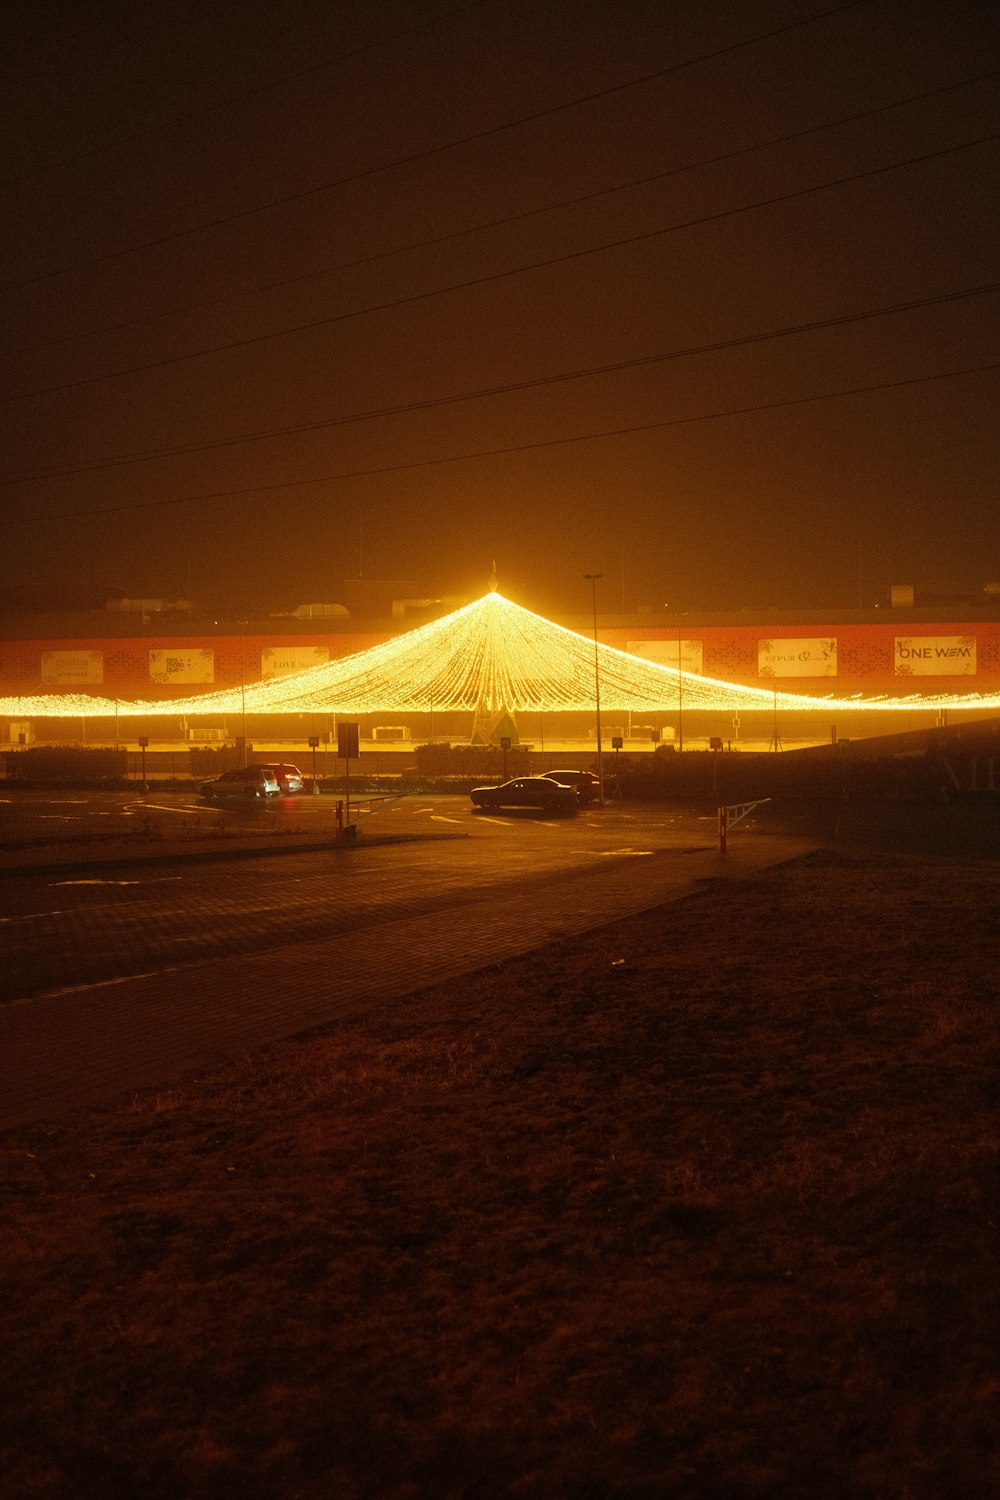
666	653
176	664
935	656
281	661
74	667
807	656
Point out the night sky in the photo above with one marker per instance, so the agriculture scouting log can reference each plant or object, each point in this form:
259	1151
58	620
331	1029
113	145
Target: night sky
286	237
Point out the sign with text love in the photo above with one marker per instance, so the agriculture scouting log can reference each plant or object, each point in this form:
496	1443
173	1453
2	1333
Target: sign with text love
281	661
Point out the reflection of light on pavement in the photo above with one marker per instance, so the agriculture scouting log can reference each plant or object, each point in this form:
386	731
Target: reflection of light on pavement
604	853
38	916
100	984
185	807
148	880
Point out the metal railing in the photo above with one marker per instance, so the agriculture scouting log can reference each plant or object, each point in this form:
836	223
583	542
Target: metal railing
729	817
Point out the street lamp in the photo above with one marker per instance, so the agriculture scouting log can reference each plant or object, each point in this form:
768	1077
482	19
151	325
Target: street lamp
680	689
243	697
597	689
680	682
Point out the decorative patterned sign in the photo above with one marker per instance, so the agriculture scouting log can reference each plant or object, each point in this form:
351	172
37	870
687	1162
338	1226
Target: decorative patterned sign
666	653
935	656
72	666
279	661
805	657
182	664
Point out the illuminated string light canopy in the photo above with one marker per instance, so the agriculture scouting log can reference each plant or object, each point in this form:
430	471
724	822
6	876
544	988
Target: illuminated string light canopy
489	657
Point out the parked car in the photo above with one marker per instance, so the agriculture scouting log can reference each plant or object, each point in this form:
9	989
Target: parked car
289	778
249	781
527	791
584	783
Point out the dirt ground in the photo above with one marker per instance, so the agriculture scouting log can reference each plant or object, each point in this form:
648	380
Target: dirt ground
701	1204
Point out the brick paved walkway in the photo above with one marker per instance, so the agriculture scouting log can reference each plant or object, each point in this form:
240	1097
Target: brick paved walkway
80	1048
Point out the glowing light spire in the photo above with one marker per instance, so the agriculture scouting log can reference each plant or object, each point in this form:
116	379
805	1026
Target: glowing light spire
491	656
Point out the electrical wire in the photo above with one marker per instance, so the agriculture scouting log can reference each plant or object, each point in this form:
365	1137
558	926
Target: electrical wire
132	507
431	151
484	392
509	219
477	281
186	117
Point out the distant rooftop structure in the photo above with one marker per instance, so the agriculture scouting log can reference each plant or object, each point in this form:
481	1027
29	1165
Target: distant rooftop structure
320	612
371	598
908	596
148	606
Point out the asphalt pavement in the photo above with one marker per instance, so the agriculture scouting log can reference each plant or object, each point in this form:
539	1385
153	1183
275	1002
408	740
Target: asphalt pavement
146	936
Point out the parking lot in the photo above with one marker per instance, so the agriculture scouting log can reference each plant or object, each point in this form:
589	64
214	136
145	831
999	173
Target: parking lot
44	827
126	962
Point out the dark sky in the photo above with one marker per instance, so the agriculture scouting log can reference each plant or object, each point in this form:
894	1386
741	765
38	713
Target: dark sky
298	180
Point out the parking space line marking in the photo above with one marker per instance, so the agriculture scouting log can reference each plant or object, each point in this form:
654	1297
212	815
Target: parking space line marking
131	812
38	916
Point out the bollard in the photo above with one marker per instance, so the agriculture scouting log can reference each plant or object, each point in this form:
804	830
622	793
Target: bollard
723	828
340	817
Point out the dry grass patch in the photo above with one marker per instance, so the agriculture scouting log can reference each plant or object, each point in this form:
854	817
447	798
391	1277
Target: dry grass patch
703	1203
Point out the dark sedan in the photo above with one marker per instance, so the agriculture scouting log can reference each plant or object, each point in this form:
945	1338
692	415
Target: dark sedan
527	791
584	783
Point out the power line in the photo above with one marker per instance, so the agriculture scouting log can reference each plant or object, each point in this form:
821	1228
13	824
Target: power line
496	276
484	392
455	458
185	118
432	151
531	213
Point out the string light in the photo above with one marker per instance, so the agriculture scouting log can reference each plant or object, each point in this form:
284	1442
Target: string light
491	656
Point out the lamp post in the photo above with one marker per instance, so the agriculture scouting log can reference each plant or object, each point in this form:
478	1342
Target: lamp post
680	690
597	688
680	681
243	698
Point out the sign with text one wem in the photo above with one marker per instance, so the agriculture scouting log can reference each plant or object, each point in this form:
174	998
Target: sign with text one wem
935	656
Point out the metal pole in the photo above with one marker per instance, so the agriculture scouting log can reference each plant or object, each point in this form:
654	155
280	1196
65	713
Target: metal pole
243	698
597	689
680	693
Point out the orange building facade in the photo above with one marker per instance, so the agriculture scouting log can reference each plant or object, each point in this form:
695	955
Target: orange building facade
812	655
